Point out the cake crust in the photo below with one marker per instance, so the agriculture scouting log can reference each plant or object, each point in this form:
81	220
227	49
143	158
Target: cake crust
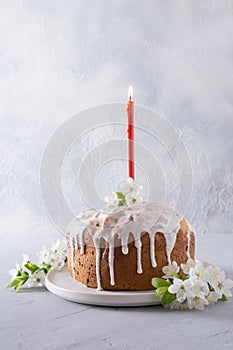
82	264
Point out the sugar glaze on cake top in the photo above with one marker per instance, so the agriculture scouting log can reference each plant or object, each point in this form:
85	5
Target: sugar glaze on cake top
123	222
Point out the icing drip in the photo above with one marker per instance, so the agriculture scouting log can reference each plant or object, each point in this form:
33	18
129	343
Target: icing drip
138	245
126	223
111	265
124	242
76	242
82	242
152	249
189	241
72	246
97	247
170	243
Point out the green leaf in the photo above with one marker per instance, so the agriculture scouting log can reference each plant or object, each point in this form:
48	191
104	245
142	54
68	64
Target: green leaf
46	269
121	198
120	195
32	267
18	282
158	282
168	298
19	285
24	274
183	278
223	298
13	283
176	275
160	291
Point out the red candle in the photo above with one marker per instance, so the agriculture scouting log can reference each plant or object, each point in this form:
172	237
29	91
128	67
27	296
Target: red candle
130	131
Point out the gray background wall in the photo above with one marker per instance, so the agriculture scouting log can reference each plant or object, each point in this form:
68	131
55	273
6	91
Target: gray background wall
60	57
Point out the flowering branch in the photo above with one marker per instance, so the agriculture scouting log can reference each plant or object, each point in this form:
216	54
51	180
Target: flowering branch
127	194
32	275
202	285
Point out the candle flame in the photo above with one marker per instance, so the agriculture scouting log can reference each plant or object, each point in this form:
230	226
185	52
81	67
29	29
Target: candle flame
130	92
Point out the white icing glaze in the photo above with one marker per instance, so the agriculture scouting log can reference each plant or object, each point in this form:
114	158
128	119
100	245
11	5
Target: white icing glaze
97	246
189	238
138	245
126	223
188	245
111	265
72	243
152	250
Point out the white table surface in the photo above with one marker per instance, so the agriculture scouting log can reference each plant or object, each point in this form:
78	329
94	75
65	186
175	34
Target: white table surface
38	319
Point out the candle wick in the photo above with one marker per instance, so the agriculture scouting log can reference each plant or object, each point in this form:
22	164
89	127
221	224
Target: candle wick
130	98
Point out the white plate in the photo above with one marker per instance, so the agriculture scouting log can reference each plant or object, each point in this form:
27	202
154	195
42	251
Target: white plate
63	285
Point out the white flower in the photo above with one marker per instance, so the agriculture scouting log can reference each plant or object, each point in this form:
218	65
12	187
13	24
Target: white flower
42	255
36	280
215	277
213	297
203	285
197	303
57	261
131	190
189	304
132	200
112	199
223	285
59	246
14	272
198	270
176	305
26	259
190	263
211	275
129	186
200	288
182	289
170	270
54	256
130	193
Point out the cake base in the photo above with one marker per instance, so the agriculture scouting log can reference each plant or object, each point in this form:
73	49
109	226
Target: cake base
127	278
